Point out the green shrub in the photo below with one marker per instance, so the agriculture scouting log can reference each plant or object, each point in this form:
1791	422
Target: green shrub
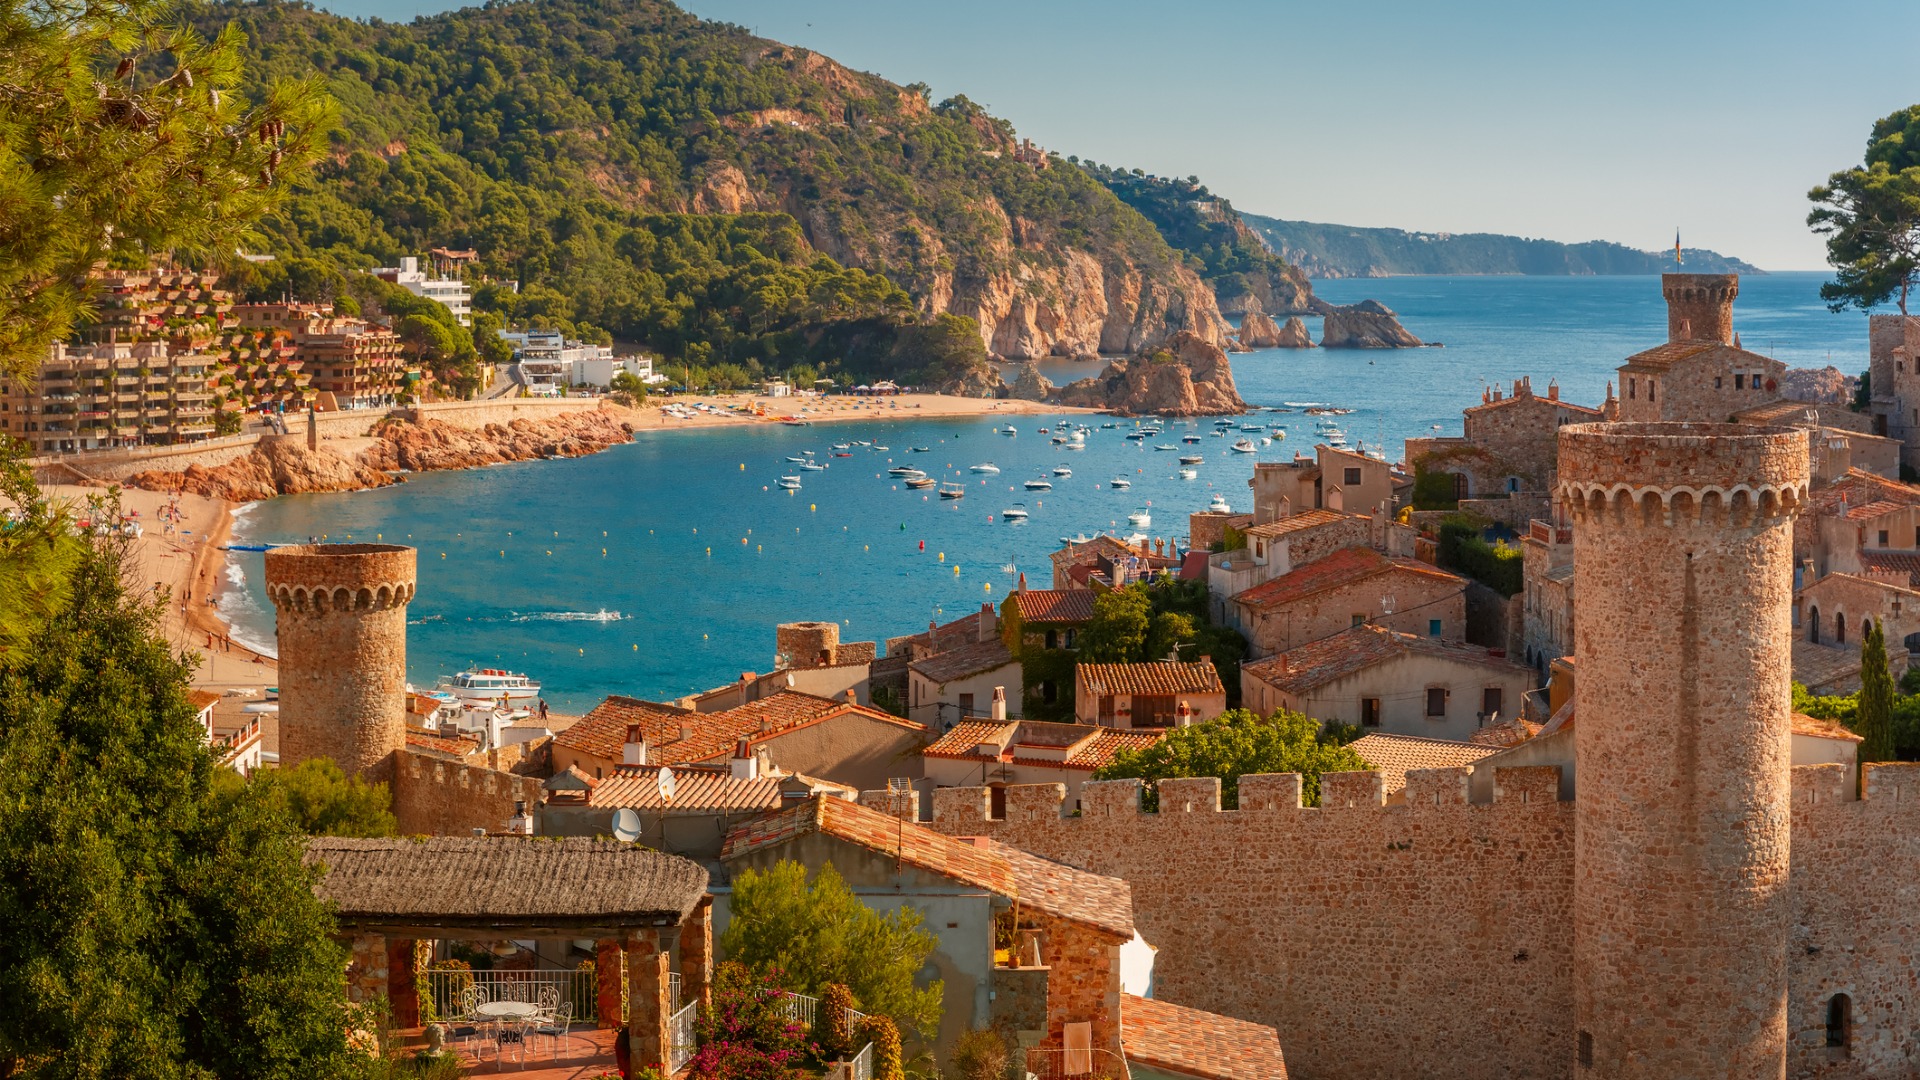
1500	566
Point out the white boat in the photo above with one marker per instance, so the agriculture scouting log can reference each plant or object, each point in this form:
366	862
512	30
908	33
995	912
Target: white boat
986	467
489	686
902	470
1192	459
1164	446
1245	446
1079	435
1188	472
952	491
1140	518
1121	482
1008	430
1337	442
1219	505
1063	471
842	446
1134	539
878	447
1136	435
1083	538
1264	441
1039	483
791	483
813	466
1016	512
796	460
1189	438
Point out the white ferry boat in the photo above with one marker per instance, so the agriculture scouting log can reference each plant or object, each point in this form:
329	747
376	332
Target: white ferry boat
1219	505
487	686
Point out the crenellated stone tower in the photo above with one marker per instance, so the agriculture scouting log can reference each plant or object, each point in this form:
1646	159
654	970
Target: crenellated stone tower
1683	556
1700	306
342	627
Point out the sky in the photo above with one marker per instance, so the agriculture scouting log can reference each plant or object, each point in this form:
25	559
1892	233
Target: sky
1616	121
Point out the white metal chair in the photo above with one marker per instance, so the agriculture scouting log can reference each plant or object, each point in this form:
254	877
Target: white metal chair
557	1028
466	1026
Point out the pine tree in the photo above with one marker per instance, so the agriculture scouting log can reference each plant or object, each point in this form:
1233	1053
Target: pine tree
1874	720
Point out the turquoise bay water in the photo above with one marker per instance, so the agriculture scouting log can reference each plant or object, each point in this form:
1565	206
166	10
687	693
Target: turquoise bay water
625	572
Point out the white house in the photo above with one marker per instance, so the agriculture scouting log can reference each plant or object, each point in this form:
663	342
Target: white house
452	292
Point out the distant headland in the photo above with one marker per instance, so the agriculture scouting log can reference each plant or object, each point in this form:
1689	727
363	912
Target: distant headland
1342	251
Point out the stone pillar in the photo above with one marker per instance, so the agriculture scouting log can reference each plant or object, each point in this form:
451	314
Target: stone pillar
1683	563
610	979
402	994
366	967
341	621
649	1006
696	955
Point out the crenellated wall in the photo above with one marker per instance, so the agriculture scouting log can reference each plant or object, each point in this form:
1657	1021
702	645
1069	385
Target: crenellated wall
1435	939
436	797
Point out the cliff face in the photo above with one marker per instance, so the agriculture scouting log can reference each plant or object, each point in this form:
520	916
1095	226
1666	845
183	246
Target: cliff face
1191	377
1368	324
1826	386
281	466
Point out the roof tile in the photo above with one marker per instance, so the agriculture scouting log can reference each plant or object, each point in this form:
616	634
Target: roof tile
709	735
1318	663
1055	605
1196	1043
1345	567
1157	677
1394	755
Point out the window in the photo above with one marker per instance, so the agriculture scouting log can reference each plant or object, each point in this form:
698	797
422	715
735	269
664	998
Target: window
1633	388
1883	538
1069	638
1369	712
1459	485
1513	484
1359	618
1716	382
1586	1049
1650	386
1433	627
1739	382
966	704
1813	624
1047	692
997	807
1840	629
1353	476
1490	702
1839	1024
1436	702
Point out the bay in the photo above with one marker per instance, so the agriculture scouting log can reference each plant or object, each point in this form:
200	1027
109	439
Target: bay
659	568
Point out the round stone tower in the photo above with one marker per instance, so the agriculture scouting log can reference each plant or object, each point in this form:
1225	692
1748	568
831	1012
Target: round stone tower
1700	306
1683	563
342	626
807	644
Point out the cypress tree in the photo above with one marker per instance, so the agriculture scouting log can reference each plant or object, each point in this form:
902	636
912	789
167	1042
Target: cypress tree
1874	720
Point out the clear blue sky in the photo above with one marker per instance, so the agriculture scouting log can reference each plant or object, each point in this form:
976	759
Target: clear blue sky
1615	121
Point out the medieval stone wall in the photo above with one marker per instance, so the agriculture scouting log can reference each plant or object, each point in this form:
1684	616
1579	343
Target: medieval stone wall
436	797
1084	984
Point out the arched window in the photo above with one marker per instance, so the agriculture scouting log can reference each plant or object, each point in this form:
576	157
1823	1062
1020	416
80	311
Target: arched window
1813	625
1840	629
1839	1025
1459	485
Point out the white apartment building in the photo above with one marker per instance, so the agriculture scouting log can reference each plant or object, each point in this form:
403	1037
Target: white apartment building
452	292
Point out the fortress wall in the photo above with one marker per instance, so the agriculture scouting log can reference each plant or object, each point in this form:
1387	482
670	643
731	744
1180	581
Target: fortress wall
1427	940
1854	926
436	797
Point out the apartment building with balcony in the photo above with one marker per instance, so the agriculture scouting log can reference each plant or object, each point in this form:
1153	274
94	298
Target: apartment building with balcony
451	291
355	363
116	394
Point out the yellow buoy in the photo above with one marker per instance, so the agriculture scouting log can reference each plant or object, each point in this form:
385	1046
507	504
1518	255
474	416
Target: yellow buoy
987	586
636	648
603	553
709	552
703	637
583	652
379	536
956	571
743	466
503	553
943	556
811	507
549	552
443	554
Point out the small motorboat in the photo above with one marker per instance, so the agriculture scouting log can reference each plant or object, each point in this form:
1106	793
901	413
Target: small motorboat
1224	423
796	460
1245	446
1164	446
920	449
986	467
1192	459
813	466
1136	436
1016	512
1188	472
1039	483
1140	518
880	448
1062	471
1264	441
844	453
902	470
1218	434
1189	438
791	483
952	491
1059	440
1219	505
1079	435
842	446
1121	482
1008	430
919	483
1083	538
1103	427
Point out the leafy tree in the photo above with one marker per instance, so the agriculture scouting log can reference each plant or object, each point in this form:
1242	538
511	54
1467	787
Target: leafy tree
1168	631
154	929
1234	744
425	339
126	136
319	798
1870	215
38	552
1874	720
812	936
1117	633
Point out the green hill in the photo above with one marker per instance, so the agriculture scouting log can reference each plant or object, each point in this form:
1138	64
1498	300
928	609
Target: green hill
717	196
1335	251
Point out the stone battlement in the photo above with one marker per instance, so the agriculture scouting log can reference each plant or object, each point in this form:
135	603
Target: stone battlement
318	572
1713	475
1700	306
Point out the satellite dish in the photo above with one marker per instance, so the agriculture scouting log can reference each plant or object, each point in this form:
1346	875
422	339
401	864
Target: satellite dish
626	825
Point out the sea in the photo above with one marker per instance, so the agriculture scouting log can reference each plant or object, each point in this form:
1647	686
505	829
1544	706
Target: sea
659	568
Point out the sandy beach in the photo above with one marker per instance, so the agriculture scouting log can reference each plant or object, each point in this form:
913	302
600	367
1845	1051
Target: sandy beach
838	408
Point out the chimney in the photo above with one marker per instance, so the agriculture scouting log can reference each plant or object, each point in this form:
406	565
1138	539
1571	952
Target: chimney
1553	390
1700	306
999	703
686	732
635	750
852	698
520	824
1183	715
989	621
1023	581
745	765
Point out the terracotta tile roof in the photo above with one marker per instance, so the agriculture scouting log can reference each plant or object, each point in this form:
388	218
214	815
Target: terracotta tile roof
964	738
1823	665
1107	743
1054	605
1877	508
1157	677
1859	487
1661	357
970	659
1196	1043
1506	733
1062	890
1347	567
603	732
1051	887
938	638
200	699
1310	519
1102	545
1510	400
1822	729
1096	745
692	790
1318	663
1893	562
451	747
1393	755
711	735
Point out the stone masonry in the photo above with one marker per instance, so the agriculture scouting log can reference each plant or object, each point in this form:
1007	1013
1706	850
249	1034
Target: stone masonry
342	629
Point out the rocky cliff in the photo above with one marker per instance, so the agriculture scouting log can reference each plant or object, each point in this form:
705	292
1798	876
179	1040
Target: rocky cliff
1190	377
284	466
1030	385
1368	324
1826	386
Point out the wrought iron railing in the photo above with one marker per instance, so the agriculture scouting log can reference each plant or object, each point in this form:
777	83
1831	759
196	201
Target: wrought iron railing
800	1008
860	1066
443	987
1076	1065
680	1038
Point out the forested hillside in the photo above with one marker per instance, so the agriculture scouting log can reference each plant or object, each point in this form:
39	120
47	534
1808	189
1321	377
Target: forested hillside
1336	251
635	168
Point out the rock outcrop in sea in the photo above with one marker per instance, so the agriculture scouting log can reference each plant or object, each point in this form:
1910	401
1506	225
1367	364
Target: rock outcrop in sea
284	466
1190	377
1030	385
1368	324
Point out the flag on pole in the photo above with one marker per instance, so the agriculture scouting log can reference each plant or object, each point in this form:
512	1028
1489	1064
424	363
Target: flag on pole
1677	260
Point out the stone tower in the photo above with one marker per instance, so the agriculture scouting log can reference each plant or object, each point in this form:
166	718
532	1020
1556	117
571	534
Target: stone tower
342	625
1700	306
1683	562
807	644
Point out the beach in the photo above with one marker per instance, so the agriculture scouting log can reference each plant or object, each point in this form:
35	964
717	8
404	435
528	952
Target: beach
827	410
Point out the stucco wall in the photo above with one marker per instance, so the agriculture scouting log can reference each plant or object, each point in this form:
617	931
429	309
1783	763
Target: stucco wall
1401	685
1417	600
854	750
925	697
